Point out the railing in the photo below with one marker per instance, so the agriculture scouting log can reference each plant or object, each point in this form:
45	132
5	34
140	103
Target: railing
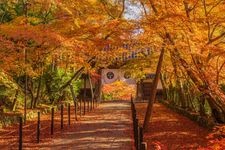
38	137
138	130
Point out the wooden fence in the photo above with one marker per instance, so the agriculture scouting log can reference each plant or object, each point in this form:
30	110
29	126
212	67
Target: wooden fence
52	128
138	130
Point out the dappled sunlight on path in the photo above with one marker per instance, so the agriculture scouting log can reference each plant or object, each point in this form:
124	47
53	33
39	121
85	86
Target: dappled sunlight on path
108	127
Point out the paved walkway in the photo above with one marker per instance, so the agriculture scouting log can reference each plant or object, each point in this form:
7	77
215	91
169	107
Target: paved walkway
108	127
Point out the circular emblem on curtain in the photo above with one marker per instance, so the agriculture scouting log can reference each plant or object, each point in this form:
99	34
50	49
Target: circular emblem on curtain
127	75
110	75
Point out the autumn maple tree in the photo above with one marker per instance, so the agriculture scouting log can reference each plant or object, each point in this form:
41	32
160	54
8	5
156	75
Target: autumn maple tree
191	32
47	45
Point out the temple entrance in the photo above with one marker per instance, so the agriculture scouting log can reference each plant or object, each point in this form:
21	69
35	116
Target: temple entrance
117	84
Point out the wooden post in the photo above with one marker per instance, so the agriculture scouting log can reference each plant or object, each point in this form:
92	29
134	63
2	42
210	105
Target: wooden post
144	146
131	101
85	92
141	135
75	110
80	107
135	114
52	122
69	114
95	103
136	133
62	116
88	105
38	127
138	136
84	109
20	133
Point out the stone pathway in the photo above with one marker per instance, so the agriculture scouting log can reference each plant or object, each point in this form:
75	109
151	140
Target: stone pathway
108	127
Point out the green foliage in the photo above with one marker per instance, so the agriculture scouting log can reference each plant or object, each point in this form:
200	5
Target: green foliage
36	13
8	89
222	86
55	80
41	13
107	96
7	12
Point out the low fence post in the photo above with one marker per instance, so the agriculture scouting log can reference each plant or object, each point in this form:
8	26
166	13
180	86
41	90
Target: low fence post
38	127
69	114
93	103
75	110
62	116
141	135
88	105
144	146
136	132
80	107
84	101
52	121
20	133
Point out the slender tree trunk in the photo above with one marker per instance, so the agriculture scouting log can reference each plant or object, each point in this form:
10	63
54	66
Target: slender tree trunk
178	86
26	88
153	91
15	101
85	92
163	86
76	74
74	100
215	95
99	97
31	89
92	93
38	92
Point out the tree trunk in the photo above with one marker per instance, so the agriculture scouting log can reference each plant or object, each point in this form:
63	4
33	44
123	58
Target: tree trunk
76	74
30	89
162	78
74	100
38	93
153	91
15	101
209	88
85	92
92	92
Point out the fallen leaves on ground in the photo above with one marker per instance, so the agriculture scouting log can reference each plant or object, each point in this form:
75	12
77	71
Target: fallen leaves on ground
171	131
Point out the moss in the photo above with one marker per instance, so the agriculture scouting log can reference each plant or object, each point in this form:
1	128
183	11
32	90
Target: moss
8	89
204	121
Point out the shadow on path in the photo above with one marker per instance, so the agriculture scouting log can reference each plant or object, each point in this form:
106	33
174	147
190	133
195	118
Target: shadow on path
172	131
108	127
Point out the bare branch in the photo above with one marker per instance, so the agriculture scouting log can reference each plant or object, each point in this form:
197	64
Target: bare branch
122	11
